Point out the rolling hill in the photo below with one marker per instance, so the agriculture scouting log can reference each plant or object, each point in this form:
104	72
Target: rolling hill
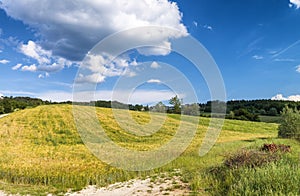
41	151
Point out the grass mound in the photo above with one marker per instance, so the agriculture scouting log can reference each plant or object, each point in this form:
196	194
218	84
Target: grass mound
276	147
268	170
254	158
250	158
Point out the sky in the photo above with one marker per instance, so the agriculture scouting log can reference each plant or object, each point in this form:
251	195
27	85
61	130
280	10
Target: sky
49	49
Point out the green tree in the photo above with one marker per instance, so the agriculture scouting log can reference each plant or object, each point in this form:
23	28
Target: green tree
1	109
290	125
7	106
191	109
262	112
273	112
159	107
231	115
175	101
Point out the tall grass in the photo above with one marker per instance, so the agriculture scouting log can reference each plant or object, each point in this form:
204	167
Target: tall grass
279	176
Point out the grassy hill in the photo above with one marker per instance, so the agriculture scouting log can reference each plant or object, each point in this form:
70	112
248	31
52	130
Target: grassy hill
41	151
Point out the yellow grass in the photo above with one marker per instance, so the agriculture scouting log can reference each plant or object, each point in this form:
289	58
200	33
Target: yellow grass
41	150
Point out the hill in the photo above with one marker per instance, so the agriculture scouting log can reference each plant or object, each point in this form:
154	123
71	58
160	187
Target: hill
41	151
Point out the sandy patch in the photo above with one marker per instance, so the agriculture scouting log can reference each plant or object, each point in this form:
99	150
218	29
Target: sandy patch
1	116
5	194
162	184
150	186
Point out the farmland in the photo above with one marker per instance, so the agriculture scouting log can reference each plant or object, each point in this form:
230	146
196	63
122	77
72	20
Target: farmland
41	152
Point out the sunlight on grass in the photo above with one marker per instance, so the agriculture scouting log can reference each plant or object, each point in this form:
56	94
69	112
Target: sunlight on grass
41	150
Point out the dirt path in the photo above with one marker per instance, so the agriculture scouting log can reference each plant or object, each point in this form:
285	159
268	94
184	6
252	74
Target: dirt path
150	186
157	185
3	115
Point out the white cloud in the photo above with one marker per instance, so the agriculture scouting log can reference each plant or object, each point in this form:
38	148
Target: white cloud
162	48
95	68
195	23
290	98
33	50
17	93
284	60
70	28
90	78
286	49
46	61
44	75
298	68
154	81
258	57
295	3
272	52
138	96
4	61
10	41
154	65
31	68
208	27
17	66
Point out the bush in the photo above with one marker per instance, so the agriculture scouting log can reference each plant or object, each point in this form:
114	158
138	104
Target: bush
264	171
250	158
290	125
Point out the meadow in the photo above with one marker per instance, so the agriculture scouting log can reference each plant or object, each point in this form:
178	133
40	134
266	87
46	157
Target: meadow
41	152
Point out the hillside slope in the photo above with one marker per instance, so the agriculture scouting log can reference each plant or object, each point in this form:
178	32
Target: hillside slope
41	150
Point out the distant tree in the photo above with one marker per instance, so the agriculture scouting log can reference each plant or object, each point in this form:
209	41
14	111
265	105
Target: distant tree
7	106
1	109
290	125
191	109
175	101
138	107
262	112
146	108
243	114
159	107
273	112
231	115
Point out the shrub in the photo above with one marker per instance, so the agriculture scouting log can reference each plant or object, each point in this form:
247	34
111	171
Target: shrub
264	171
275	148
250	158
290	125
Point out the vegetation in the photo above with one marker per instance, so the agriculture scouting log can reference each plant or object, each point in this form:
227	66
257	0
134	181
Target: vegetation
159	107
10	104
251	110
41	152
243	114
176	103
255	110
257	172
290	125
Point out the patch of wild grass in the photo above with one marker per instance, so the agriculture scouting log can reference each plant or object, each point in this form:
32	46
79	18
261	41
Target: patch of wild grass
252	172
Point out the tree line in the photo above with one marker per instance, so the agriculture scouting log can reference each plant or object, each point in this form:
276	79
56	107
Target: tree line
11	104
250	109
238	109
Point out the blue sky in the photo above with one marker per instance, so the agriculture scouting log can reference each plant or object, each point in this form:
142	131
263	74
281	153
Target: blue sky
255	43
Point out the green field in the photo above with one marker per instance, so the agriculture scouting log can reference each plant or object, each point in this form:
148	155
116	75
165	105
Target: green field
41	152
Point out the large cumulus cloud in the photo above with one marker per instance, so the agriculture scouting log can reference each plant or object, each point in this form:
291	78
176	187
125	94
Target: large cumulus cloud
70	28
